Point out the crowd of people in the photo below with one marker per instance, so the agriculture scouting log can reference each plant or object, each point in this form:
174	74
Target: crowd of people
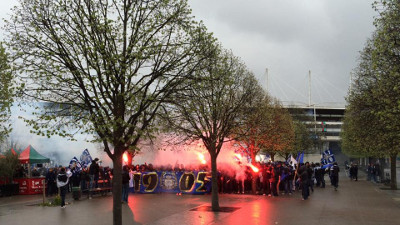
272	179
278	178
374	172
84	178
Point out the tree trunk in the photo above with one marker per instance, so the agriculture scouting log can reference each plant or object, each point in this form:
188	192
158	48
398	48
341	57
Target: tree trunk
117	190
393	178
214	183
254	174
254	183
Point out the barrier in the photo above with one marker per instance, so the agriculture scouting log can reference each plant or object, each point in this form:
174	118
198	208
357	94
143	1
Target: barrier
193	182
30	186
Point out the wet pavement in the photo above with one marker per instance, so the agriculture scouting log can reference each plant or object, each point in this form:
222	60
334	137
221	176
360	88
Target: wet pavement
361	203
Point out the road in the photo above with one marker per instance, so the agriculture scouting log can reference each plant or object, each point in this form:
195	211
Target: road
361	203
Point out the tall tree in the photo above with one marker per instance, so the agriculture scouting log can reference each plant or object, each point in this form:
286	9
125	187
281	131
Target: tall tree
302	137
208	109
280	135
374	101
104	67
6	93
265	126
254	126
307	136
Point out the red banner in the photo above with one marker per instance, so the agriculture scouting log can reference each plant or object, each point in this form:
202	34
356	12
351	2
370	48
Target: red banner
30	186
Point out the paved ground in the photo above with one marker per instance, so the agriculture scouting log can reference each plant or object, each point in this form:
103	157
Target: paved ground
361	203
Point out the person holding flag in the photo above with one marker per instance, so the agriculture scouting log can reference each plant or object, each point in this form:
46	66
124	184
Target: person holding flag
85	158
299	160
285	172
62	183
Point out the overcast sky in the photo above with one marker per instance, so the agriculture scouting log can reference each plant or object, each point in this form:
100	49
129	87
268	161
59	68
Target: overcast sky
289	37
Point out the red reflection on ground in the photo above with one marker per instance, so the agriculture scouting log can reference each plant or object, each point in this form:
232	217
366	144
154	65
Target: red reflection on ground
260	213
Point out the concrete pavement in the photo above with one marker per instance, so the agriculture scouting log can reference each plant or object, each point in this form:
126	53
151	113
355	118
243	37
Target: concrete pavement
361	203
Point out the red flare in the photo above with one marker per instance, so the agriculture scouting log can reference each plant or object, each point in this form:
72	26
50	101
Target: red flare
238	157
254	168
201	158
125	157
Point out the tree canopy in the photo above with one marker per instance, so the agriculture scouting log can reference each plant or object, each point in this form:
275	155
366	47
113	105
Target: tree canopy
103	67
371	125
210	107
6	93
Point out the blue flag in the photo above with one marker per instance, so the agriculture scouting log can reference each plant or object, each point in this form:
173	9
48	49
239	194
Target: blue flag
300	157
326	166
327	159
283	176
289	159
328	152
85	158
75	165
331	159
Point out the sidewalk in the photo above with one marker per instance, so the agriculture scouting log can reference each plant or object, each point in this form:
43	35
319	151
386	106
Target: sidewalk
361	203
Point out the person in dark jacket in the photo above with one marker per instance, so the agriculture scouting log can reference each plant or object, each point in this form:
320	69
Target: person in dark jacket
285	173
356	172
62	183
275	176
317	174
94	176
335	175
125	184
310	172
94	170
267	179
51	182
303	174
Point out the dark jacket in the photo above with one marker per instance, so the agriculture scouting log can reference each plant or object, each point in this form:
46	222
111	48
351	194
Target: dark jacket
303	173
277	173
94	168
51	177
335	170
125	177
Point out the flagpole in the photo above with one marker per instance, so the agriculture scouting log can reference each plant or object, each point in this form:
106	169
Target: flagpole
300	157
295	174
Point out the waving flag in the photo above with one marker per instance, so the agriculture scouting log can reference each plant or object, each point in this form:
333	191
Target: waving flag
74	163
85	158
327	159
292	161
300	157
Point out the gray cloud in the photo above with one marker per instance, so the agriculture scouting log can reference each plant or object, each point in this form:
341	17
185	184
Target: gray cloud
289	37
292	37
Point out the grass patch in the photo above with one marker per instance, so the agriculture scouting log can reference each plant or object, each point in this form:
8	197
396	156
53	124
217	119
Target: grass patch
55	202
